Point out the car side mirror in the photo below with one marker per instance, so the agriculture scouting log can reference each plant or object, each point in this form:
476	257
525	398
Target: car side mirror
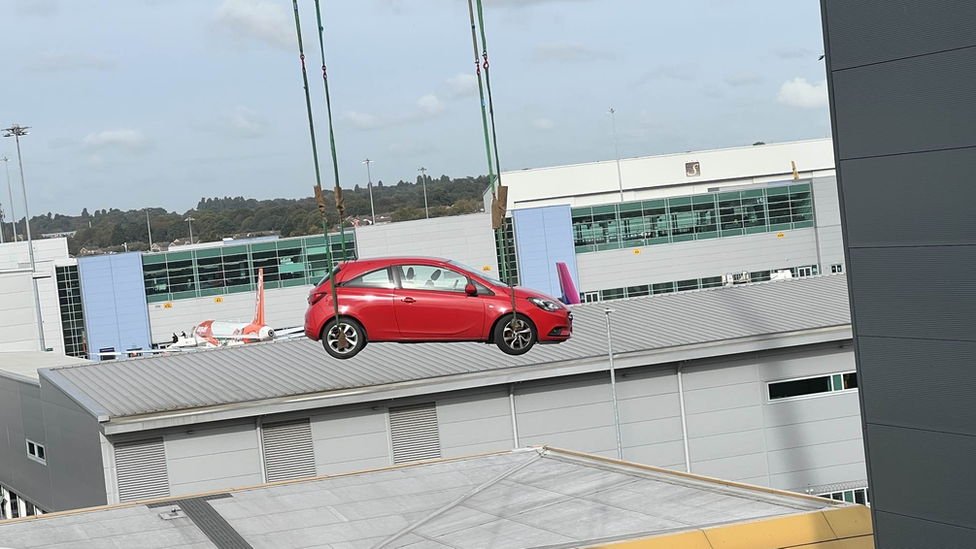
470	289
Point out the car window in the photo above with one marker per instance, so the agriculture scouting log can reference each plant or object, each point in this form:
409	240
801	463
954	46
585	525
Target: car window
373	279
427	277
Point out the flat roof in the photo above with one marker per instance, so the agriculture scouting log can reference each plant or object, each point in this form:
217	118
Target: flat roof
26	363
298	374
532	497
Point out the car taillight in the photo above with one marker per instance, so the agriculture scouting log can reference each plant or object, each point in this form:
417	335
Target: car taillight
316	297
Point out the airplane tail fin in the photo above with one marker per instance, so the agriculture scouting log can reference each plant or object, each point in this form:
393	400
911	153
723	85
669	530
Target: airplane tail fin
570	295
259	300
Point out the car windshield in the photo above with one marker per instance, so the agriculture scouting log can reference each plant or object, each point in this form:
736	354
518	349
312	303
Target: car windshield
477	274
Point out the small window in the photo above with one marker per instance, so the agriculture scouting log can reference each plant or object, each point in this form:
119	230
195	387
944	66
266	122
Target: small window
374	279
812	386
36	452
591	297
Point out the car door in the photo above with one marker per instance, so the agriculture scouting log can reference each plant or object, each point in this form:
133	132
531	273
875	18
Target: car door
431	305
369	297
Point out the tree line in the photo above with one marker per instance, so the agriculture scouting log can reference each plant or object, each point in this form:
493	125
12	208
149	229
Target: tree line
217	218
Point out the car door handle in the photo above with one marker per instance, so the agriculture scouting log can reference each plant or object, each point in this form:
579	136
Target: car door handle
409	300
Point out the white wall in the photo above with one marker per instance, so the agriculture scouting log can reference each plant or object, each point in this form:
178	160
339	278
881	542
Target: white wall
15	255
18	324
468	239
646	177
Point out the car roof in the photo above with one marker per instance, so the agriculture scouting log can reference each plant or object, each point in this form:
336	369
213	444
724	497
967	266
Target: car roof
395	260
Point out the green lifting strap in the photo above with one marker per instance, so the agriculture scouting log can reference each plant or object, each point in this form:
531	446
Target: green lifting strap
318	180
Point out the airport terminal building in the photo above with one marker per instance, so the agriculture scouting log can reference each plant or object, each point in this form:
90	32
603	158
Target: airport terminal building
670	223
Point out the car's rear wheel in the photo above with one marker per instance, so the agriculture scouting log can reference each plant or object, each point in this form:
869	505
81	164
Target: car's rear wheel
355	338
515	337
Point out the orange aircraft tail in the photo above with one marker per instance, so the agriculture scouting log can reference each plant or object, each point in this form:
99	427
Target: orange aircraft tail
259	301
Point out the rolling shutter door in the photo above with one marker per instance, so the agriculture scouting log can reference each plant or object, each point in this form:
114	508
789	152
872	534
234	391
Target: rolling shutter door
414	433
288	452
140	468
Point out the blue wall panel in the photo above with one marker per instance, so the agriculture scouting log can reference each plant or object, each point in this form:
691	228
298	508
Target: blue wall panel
114	300
544	236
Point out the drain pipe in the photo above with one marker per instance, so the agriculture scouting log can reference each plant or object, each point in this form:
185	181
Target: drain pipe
511	400
684	421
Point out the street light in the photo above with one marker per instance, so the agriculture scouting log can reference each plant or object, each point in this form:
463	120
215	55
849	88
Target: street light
620	181
613	385
13	216
149	228
369	184
190	220
423	181
16	131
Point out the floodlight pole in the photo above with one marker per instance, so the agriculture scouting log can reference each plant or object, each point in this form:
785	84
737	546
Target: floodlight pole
10	192
423	181
616	149
613	386
369	179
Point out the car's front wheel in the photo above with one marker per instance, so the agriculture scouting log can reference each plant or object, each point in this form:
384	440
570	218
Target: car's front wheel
514	337
350	345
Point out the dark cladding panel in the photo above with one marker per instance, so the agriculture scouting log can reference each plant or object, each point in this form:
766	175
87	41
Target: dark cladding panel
873	31
919	384
917	104
901	532
923	474
904	200
923	293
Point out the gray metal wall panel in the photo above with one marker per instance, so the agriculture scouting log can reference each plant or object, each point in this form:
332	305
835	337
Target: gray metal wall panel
923	474
213	459
906	106
799	481
815	433
735	420
722	398
893	531
575	414
723	446
818	456
825	360
890	217
940	393
670	455
895	303
75	463
686	260
721	374
794	412
873	31
732	468
350	440
460	438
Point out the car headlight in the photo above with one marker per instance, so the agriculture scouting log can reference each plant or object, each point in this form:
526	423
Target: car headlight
545	304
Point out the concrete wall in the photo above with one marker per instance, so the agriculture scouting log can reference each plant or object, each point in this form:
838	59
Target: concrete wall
900	79
18	323
72	476
283	308
114	300
543	237
468	239
661	176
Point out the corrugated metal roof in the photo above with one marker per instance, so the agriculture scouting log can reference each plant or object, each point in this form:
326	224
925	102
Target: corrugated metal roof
265	371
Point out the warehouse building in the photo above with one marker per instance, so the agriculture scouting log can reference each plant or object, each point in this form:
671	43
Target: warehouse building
536	497
753	383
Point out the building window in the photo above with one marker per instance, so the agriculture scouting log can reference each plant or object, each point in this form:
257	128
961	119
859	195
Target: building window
858	496
590	297
72	315
837	268
231	269
809	386
698	217
36	452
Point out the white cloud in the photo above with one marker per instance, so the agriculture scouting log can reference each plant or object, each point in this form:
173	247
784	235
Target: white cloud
247	123
800	93
260	20
743	78
118	140
569	52
37	8
543	124
463	85
794	52
683	73
430	105
65	62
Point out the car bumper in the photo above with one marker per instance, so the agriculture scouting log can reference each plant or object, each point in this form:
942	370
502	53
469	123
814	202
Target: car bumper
314	320
555	327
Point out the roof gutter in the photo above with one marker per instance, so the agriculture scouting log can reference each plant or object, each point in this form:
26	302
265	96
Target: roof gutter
597	363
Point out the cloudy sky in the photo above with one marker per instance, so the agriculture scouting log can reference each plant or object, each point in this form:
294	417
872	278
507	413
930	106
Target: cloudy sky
160	102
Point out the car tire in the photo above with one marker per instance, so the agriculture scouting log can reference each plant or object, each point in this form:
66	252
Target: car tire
525	337
355	337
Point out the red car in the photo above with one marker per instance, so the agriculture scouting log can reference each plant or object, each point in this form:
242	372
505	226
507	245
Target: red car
415	299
